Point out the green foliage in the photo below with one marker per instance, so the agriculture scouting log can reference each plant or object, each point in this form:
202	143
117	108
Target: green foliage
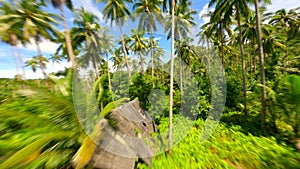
228	147
38	129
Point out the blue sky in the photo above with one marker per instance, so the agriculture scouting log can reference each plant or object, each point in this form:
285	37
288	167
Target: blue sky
7	66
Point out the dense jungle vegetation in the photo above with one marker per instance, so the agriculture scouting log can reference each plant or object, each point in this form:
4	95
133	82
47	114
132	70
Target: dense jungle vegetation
244	65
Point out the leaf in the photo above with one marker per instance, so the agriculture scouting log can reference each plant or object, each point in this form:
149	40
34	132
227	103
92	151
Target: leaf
23	154
112	105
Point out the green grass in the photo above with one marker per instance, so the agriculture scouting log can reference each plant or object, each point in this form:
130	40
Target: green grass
228	147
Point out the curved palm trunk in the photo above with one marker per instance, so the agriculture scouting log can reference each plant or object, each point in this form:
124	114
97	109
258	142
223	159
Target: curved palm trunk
125	53
68	38
171	81
243	60
40	61
261	58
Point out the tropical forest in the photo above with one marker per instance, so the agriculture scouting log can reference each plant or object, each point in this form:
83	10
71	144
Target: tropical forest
163	84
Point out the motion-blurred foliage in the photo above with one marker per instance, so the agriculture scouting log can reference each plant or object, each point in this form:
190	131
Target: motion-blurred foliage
39	129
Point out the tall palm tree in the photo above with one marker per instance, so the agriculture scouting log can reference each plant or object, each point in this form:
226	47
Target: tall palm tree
11	33
139	45
171	76
205	36
261	59
60	5
149	13
117	12
215	30
37	24
228	9
286	22
86	35
250	34
184	22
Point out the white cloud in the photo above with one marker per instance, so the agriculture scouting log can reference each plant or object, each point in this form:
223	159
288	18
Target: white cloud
205	10
89	6
46	46
280	4
51	67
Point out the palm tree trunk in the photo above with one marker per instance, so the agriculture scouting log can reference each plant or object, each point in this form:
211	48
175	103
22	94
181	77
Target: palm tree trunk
286	52
15	60
243	60
108	74
208	55
261	58
142	64
180	67
125	53
68	38
40	62
152	57
171	81
222	44
21	62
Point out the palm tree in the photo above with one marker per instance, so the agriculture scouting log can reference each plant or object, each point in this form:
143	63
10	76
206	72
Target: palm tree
171	77
38	24
11	33
149	13
60	5
215	30
117	11
250	34
286	22
139	44
38	62
229	8
261	59
117	58
184	22
205	37
86	36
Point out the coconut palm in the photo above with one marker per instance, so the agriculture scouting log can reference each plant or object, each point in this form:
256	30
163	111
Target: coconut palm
171	76
249	32
11	33
205	36
60	5
149	13
261	59
38	62
228	9
117	12
117	58
33	22
86	36
184	23
286	22
215	30
139	45
37	25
